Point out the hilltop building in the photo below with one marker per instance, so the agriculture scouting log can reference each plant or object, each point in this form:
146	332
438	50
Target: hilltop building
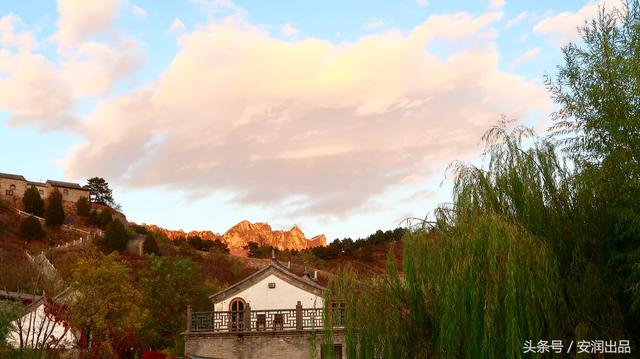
273	313
12	188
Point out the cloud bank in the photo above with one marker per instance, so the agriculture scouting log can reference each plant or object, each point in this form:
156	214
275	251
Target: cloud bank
320	126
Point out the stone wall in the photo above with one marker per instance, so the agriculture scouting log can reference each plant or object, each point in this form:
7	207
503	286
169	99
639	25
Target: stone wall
69	194
279	344
7	184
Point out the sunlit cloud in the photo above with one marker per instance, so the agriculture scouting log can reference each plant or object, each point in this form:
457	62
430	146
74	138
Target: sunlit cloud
563	27
331	125
177	25
289	30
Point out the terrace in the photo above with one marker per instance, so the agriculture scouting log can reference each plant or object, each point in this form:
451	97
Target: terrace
247	320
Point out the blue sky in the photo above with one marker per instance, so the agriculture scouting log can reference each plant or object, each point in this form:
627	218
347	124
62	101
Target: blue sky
339	117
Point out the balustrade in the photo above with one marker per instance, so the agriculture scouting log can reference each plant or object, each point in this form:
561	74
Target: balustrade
259	320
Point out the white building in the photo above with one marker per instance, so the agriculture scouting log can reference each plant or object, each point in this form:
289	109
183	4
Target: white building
272	313
273	287
39	327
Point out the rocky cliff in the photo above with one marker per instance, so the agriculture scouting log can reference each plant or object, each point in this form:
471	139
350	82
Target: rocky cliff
244	232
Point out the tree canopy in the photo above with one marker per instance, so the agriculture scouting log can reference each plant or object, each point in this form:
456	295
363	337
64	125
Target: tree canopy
106	306
169	285
115	236
33	203
99	191
54	215
83	207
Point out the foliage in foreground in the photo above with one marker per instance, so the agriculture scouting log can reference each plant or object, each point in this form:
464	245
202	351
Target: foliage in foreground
106	307
168	286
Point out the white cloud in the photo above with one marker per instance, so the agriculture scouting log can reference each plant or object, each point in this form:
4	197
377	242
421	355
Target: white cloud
375	23
45	91
177	25
81	19
516	20
497	4
138	11
289	31
12	37
422	2
527	56
326	126
563	26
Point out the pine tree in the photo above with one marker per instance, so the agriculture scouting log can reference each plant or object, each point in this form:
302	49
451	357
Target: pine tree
100	191
83	207
32	201
115	237
55	213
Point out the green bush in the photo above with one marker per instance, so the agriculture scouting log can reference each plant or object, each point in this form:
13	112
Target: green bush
105	218
30	228
150	246
115	237
93	219
83	207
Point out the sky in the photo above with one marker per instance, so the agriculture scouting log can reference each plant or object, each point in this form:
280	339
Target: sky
339	117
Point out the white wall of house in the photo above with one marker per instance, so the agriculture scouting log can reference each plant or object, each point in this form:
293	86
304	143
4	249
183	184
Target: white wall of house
36	323
283	296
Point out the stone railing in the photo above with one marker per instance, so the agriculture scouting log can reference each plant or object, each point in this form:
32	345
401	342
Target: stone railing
260	320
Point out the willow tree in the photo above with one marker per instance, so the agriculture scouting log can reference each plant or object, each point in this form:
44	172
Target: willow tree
597	89
491	273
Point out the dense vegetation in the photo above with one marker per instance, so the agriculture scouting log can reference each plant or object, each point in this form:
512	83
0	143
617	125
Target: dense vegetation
54	214
540	243
32	202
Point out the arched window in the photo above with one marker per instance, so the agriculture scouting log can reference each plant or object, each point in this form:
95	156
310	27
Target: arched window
237	308
12	187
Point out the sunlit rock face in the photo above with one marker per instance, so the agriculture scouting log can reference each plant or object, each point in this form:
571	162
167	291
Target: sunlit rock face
238	236
244	232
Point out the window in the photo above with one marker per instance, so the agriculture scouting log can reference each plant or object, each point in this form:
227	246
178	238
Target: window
272	285
12	187
325	352
338	312
65	192
236	307
41	192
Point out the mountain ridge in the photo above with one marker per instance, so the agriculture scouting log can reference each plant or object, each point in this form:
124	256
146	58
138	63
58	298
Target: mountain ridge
239	235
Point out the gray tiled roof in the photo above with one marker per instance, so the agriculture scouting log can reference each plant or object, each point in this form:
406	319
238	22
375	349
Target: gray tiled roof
32	183
12	176
65	184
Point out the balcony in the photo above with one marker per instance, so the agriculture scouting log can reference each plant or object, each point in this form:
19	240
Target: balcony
261	320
